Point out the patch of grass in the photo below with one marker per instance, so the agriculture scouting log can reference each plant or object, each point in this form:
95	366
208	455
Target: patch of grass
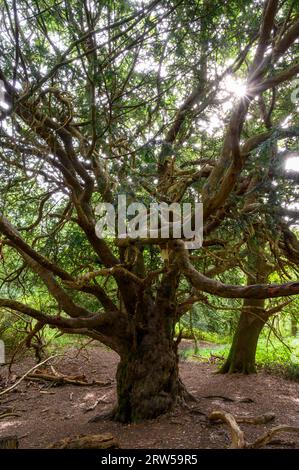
291	371
205	354
278	358
14	339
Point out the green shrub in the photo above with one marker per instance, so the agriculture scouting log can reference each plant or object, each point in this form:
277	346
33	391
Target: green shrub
201	335
272	356
292	371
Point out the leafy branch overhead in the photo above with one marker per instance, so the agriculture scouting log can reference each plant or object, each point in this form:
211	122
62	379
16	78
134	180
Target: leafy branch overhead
170	101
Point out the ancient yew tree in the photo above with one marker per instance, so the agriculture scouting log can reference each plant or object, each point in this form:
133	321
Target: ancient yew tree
174	101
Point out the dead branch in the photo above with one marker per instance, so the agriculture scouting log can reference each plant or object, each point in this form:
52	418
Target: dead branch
237	436
27	373
9	415
262	419
60	379
221	397
102	399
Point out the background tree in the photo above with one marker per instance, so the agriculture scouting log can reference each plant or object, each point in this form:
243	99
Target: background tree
159	102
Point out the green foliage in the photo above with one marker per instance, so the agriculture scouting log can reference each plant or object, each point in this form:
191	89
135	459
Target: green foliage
291	371
201	335
124	95
272	356
9	332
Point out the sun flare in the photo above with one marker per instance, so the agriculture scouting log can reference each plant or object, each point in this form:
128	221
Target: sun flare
235	86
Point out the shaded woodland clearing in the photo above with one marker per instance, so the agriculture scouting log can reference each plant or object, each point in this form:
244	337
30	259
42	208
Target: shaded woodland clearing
60	411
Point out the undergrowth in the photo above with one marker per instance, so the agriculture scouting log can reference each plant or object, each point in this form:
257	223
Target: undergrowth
272	356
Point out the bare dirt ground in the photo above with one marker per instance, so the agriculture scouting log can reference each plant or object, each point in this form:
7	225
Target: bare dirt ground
45	413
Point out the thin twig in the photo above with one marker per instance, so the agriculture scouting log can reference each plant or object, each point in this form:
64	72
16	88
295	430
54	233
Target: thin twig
27	373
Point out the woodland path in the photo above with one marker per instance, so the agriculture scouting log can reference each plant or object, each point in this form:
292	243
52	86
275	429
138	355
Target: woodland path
47	413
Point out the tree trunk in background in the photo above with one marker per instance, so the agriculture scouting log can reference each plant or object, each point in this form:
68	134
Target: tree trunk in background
147	376
253	316
241	357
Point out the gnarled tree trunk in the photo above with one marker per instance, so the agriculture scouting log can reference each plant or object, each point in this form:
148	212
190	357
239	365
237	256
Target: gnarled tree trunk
147	377
148	381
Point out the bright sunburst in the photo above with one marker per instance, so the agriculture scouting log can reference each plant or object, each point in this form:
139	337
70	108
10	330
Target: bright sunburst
235	86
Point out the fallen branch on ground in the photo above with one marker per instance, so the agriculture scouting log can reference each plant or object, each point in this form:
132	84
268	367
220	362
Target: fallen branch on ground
99	400
9	442
219	396
266	438
262	419
9	415
237	400
27	373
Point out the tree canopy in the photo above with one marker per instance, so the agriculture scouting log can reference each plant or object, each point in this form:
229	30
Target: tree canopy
174	101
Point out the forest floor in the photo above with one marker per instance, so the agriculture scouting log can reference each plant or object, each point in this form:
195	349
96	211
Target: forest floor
47	413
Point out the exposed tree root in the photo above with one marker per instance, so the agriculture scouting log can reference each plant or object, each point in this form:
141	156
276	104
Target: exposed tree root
9	389
238	400
197	411
105	415
219	396
237	436
266	438
93	441
102	399
9	442
9	415
262	419
185	396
